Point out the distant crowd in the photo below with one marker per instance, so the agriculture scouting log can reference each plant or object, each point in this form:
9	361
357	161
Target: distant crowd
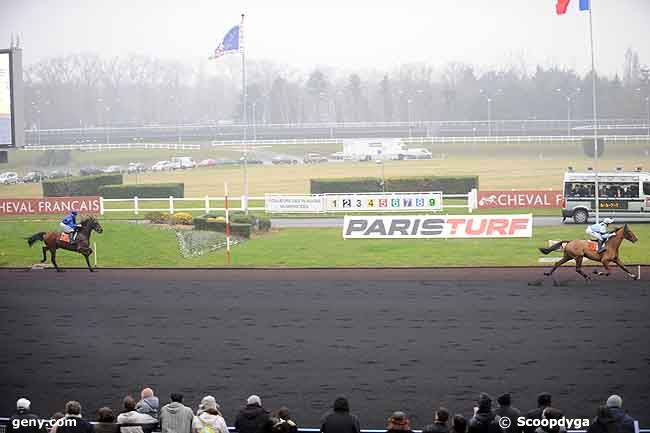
146	416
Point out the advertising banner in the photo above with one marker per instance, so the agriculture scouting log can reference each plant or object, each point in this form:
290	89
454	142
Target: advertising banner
293	203
384	202
432	226
520	199
50	205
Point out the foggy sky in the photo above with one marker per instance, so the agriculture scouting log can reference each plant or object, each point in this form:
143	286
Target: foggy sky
361	34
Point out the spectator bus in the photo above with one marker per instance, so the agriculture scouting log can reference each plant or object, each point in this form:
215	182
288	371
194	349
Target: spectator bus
621	194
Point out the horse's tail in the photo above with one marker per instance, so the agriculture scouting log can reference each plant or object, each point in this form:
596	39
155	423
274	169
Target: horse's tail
555	246
35	237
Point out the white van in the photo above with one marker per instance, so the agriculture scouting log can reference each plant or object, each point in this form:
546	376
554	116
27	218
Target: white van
625	194
183	162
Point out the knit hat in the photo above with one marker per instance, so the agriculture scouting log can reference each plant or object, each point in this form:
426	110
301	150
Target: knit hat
208	402
23	403
614	401
254	399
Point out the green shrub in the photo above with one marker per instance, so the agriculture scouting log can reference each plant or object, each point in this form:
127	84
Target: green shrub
218	225
151	190
239	217
79	186
446	184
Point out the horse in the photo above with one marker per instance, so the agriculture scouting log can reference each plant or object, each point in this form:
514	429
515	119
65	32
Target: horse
53	241
579	249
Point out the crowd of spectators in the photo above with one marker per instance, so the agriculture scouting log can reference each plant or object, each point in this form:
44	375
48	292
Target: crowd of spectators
146	416
605	189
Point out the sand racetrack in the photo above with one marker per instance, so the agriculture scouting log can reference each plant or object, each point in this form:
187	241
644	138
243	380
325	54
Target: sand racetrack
388	339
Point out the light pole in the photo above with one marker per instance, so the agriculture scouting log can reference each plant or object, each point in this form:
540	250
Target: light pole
570	96
254	105
409	101
489	97
647	108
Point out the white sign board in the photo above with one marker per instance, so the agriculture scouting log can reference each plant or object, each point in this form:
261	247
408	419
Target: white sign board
432	226
293	203
384	202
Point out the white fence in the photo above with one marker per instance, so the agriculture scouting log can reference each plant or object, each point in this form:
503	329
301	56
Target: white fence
297	141
112	146
172	204
524	139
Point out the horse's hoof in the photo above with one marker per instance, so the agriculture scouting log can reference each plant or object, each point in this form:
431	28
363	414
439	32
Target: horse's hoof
546	274
634	277
595	271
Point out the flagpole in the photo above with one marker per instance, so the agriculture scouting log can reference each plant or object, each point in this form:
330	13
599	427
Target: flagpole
244	203
595	111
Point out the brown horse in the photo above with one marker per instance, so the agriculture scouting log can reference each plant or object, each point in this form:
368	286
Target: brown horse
579	249
53	241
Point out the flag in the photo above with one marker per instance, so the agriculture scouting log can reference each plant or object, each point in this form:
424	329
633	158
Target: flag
562	5
229	44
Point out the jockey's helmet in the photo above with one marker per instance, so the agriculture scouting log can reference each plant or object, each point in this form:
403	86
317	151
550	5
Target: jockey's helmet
608	220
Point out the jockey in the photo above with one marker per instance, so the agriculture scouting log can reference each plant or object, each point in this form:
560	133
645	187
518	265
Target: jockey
599	231
69	225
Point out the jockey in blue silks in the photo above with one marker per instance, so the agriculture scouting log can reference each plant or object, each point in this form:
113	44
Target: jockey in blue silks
599	231
69	224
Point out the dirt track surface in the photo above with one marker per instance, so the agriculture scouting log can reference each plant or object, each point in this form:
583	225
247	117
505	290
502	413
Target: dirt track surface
388	339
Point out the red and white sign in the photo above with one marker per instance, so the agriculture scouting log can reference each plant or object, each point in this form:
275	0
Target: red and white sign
432	226
520	199
50	205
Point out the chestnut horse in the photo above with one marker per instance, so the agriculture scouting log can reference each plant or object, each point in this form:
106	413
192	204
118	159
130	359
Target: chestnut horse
579	249
53	241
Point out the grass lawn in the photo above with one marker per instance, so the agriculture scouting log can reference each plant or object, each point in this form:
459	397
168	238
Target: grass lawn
141	245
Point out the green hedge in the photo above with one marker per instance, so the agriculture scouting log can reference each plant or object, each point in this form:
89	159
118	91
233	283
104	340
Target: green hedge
150	190
79	186
446	184
236	229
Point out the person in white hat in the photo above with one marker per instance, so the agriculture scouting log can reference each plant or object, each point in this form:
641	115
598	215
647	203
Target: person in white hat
599	231
624	422
18	422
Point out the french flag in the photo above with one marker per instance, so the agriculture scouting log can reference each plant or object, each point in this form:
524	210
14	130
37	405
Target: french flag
562	5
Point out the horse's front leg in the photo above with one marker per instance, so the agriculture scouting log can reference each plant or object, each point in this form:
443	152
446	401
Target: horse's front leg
604	262
86	255
622	266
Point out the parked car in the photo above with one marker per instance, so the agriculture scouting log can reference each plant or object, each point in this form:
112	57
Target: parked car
9	177
162	166
136	167
89	171
183	162
280	159
58	174
207	163
314	158
34	176
251	161
113	169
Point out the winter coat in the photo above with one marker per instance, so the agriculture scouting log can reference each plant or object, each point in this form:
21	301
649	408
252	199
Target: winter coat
512	413
149	406
215	421
24	414
80	425
253	419
484	422
436	427
176	418
339	421
624	421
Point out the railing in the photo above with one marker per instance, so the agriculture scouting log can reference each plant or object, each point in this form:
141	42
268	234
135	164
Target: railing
278	141
113	146
522	139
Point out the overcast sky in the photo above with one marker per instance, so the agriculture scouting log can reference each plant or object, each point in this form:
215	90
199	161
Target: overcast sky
352	34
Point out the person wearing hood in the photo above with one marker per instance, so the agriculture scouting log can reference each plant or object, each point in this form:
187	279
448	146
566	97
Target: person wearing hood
132	421
253	418
208	418
398	422
440	422
603	423
149	403
624	422
175	417
484	419
339	419
23	413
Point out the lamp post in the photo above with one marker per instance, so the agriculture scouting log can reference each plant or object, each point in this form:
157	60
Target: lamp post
409	101
254	106
489	98
570	96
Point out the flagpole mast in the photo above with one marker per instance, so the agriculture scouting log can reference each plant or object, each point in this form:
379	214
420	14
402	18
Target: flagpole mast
595	111
244	203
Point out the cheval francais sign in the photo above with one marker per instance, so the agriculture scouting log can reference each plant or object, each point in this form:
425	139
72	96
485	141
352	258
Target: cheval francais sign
520	199
50	205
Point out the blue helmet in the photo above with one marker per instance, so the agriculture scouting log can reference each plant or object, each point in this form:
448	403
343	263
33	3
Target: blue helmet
74	212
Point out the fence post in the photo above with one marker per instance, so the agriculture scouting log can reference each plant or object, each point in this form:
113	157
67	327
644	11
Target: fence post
171	205
135	205
207	205
101	205
472	199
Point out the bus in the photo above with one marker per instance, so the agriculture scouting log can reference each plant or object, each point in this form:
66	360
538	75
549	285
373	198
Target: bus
620	194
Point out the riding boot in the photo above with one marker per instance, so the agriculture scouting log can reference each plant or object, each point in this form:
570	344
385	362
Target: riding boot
601	246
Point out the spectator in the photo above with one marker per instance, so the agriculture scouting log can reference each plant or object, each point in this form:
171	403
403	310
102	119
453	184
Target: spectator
148	404
208	418
106	421
175	417
132	421
282	422
604	422
73	422
339	419
253	418
543	401
624	422
440	422
506	410
398	422
459	424
23	413
484	419
551	413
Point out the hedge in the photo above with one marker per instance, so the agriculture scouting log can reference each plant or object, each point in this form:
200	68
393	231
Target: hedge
149	190
217	225
81	186
446	184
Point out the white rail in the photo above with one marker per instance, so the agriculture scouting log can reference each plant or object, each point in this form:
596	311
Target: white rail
112	146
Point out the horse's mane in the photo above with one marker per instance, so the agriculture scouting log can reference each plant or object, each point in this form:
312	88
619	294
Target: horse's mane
89	219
